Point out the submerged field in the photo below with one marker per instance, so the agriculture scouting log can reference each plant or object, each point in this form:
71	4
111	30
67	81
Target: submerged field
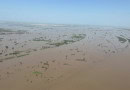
64	57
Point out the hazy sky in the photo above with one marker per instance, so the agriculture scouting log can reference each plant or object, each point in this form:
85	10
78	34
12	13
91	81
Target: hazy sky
96	12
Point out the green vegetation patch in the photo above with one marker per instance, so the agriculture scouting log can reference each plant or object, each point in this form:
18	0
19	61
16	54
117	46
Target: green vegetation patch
64	42
7	58
73	39
16	52
20	32
78	37
128	40
37	73
22	55
121	39
41	39
5	30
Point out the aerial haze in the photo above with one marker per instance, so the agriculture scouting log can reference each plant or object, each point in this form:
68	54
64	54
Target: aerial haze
64	45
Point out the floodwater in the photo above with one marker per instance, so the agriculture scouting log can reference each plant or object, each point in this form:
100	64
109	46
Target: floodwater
64	57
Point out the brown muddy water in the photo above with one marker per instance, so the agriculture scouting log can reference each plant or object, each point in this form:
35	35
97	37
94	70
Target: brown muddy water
64	57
